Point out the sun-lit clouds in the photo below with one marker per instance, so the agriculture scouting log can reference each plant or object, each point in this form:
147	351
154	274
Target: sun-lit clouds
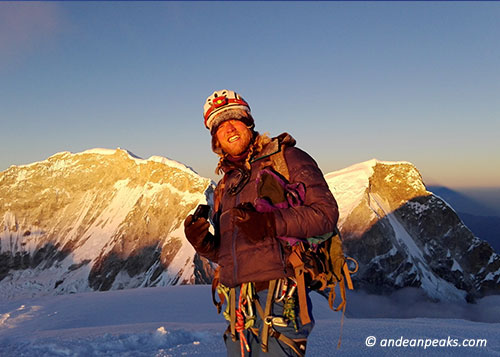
25	27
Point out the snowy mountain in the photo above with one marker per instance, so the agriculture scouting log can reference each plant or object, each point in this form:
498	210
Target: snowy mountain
98	220
404	236
107	220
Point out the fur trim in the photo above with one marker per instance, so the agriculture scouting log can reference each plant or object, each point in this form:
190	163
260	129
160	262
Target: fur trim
228	114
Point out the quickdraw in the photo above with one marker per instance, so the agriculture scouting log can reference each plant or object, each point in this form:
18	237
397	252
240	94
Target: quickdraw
240	324
240	313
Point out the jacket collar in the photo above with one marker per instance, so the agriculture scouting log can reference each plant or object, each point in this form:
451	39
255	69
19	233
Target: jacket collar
274	146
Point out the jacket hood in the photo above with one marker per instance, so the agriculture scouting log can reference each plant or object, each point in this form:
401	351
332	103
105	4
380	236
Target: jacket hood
276	144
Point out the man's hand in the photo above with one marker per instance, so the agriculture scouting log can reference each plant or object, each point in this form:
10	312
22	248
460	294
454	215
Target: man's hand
254	225
196	230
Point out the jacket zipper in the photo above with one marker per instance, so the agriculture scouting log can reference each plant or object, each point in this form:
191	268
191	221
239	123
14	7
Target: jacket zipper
282	256
235	261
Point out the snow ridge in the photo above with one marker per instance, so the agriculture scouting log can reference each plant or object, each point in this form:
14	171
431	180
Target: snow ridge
79	220
385	206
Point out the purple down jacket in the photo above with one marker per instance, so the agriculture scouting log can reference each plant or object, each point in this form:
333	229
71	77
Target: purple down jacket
243	261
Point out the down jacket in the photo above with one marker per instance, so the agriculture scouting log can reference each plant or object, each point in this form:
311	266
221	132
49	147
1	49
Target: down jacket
239	259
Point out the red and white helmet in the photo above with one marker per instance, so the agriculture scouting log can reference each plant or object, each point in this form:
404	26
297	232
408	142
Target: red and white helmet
223	101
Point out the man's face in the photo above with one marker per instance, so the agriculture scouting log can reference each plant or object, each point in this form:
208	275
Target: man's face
234	137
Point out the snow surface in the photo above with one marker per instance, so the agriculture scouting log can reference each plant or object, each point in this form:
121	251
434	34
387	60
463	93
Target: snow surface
163	160
349	186
181	320
102	151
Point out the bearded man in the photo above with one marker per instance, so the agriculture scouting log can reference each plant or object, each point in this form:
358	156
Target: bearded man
271	196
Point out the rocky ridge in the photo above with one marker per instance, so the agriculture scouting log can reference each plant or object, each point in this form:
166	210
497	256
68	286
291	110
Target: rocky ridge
98	220
105	219
404	236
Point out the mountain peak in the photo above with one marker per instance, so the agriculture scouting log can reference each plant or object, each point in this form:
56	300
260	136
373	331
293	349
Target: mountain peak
118	152
404	236
99	216
107	219
350	185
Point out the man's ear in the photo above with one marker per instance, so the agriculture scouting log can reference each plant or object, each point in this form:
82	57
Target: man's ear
216	145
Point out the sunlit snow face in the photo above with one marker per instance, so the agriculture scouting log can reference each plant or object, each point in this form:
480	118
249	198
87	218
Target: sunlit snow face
233	137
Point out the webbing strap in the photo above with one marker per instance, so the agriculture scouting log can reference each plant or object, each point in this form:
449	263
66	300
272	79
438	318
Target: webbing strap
332	296
342	305
233	313
267	312
301	292
342	291
347	275
260	311
342	295
215	283
298	346
278	162
298	266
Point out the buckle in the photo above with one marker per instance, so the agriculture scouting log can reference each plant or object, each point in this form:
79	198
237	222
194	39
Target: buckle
276	321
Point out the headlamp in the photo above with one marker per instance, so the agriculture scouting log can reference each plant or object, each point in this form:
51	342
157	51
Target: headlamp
219	101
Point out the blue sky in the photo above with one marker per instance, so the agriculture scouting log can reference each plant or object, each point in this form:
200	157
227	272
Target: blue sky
410	81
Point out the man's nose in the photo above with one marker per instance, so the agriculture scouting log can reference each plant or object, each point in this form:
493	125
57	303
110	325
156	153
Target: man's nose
230	127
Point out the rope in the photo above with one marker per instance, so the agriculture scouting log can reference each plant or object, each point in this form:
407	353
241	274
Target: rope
240	323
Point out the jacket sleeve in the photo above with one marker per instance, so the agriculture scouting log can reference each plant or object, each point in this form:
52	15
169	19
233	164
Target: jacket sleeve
319	214
207	247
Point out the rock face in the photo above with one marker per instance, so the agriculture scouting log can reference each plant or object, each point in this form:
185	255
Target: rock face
404	236
98	220
104	219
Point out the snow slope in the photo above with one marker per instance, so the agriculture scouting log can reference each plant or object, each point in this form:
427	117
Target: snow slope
404	236
97	220
107	220
180	320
